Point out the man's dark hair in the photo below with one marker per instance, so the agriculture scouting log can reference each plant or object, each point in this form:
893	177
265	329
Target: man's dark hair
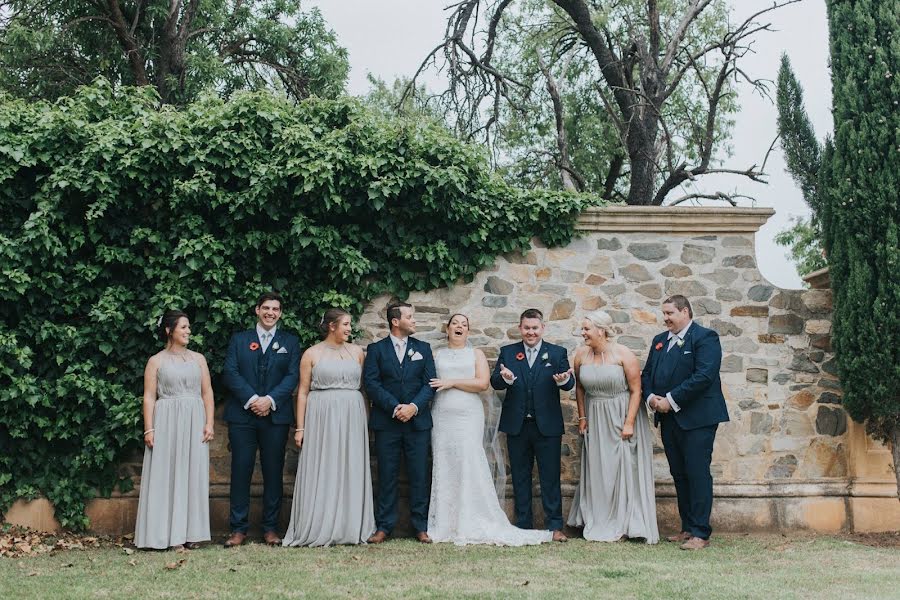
680	303
266	296
531	313
393	311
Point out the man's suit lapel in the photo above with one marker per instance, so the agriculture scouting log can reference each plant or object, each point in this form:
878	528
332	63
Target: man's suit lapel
250	338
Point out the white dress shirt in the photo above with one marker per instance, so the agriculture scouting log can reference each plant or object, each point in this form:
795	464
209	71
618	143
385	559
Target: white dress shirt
400	345
265	339
672	340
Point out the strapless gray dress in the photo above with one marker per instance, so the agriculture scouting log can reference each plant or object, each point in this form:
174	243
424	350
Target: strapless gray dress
173	507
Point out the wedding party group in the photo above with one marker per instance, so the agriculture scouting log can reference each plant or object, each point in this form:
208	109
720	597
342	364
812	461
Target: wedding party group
426	412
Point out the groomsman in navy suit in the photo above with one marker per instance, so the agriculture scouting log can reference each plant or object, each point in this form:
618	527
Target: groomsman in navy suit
260	374
533	372
681	384
397	372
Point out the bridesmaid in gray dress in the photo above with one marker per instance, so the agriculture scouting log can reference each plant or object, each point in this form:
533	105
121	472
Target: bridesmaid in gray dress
173	507
615	498
333	490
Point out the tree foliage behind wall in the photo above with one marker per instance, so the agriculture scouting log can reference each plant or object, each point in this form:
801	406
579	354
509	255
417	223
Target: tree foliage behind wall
860	212
115	209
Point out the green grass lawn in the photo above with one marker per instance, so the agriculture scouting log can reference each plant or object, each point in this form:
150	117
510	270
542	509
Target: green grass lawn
734	567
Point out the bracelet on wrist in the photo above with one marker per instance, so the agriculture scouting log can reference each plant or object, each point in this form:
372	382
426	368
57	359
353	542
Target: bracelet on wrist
300	429
582	418
149	431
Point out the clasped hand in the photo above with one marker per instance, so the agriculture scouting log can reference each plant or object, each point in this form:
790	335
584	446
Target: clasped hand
405	412
659	403
262	406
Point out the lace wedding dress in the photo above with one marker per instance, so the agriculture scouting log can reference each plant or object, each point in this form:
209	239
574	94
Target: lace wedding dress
464	507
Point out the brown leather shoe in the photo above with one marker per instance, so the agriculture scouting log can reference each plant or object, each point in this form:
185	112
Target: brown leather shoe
377	538
192	545
679	538
271	538
559	536
235	539
422	536
695	543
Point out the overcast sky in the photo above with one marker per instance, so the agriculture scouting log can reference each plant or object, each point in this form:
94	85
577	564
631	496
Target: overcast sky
389	38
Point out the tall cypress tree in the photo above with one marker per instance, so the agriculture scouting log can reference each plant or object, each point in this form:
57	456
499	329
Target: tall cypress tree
860	211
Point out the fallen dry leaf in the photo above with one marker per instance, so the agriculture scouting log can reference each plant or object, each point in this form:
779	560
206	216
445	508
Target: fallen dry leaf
132	562
174	565
129	551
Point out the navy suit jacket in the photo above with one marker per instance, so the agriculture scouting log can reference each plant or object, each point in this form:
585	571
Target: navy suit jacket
537	381
243	376
691	375
389	383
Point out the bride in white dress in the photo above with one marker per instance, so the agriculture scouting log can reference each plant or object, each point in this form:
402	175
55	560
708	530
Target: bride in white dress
464	506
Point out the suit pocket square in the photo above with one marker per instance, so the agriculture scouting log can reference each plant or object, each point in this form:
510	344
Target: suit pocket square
282	350
416	356
687	352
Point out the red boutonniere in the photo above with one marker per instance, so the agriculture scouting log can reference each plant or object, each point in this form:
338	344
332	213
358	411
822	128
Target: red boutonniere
520	356
254	346
659	345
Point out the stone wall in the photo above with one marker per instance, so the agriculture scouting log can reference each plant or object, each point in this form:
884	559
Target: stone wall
789	458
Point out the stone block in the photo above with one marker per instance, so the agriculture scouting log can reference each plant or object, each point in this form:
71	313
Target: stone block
494	301
649	251
562	309
593	303
831	421
609	244
505	316
650	290
517	258
728	295
634	343
644	316
761	423
686	287
543	273
696	254
635	273
790	324
571	276
706	306
818	327
822	342
732	364
601	265
875	515
760	293
594	279
770	338
802	362
751	310
830	367
755	375
801	400
829	398
744	261
721	276
496	285
494	332
619	316
676	271
787	300
725	328
817	301
613	289
782	468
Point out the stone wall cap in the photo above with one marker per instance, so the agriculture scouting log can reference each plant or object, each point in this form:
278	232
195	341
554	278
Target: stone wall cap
673	219
818	280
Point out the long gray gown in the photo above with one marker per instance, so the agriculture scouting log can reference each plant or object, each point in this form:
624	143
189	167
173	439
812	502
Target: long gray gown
173	507
333	490
615	496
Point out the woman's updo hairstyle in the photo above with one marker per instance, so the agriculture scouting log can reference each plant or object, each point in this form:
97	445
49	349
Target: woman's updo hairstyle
602	321
332	315
169	321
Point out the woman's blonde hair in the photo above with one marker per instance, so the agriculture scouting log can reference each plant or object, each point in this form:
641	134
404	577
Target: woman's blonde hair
602	321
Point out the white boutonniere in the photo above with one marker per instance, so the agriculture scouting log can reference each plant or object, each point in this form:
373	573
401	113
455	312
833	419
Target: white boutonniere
410	353
275	346
545	356
415	355
680	342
